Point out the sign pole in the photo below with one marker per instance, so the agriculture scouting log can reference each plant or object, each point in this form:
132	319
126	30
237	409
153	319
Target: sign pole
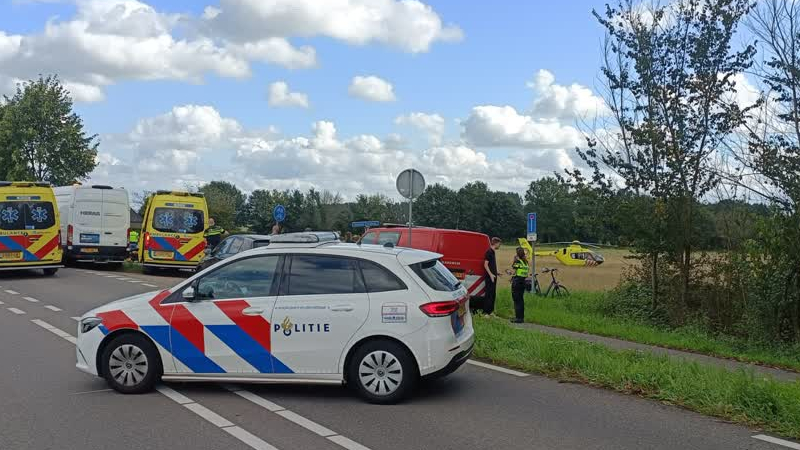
410	207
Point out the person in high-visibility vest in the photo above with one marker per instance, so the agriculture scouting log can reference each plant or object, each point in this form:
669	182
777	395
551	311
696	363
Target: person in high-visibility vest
213	234
521	271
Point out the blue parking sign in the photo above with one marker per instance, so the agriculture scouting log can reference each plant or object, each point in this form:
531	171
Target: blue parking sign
531	226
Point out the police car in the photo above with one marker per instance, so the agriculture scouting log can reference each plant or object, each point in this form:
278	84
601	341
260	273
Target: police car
305	309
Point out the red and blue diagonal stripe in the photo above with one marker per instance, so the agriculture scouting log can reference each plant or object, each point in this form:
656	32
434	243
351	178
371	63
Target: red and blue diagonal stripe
17	244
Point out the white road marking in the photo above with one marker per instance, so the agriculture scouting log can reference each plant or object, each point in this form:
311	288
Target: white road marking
31	299
773	440
53	308
135	281
209	415
77	319
2	303
91	392
112	276
149	285
248	438
57	331
174	395
347	443
123	279
497	368
310	425
16	311
9	291
224	424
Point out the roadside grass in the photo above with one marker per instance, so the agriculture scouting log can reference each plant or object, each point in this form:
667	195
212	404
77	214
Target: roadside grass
738	396
580	312
134	267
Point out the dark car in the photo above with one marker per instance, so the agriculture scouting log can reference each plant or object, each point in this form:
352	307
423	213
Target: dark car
232	245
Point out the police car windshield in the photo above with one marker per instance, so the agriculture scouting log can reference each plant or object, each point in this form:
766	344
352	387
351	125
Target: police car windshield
178	220
436	275
26	215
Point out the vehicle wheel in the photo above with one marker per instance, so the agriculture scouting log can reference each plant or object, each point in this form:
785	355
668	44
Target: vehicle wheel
382	372
115	266
131	364
50	272
560	291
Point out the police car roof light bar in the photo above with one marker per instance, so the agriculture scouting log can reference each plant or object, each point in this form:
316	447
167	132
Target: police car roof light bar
307	237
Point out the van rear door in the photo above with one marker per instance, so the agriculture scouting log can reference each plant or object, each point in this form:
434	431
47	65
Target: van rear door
87	217
115	219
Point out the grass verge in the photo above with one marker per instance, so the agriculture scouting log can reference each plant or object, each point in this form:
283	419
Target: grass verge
737	396
580	312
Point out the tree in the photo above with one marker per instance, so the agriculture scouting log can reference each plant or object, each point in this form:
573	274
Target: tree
225	203
670	79
551	200
473	202
41	138
437	207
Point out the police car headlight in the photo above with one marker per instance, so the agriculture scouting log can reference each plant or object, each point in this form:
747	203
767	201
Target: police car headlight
90	323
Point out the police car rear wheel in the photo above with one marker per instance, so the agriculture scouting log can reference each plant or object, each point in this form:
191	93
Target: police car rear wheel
131	364
382	372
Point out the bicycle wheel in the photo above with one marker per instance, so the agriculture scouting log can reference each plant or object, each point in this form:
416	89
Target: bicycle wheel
560	291
536	288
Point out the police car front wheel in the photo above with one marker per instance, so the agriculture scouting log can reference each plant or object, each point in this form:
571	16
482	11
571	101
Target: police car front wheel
382	372
131	364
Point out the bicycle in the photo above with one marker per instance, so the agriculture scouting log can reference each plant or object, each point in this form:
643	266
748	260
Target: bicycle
555	287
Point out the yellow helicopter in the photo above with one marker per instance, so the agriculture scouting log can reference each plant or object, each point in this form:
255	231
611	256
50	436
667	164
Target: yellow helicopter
574	254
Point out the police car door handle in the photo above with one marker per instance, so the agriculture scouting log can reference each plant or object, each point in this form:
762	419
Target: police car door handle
342	308
253	311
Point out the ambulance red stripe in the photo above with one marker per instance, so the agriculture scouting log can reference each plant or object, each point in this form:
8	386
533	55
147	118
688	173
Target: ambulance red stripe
194	251
49	247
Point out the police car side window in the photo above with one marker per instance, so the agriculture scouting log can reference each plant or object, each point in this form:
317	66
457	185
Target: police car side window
324	275
380	279
245	278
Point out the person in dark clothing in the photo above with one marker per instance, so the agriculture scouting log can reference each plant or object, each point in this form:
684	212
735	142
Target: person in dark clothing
520	268
490	266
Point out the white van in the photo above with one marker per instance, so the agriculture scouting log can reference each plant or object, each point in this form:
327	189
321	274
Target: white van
95	223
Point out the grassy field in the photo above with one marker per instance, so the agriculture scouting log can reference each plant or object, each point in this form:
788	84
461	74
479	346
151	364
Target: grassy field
591	279
581	311
736	396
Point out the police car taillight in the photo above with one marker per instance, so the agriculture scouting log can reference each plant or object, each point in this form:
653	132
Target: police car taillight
440	309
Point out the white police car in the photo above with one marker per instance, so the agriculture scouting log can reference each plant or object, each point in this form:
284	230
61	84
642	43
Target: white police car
305	309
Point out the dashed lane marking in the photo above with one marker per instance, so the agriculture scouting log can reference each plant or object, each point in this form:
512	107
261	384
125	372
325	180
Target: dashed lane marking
774	440
497	368
31	299
16	311
308	424
224	424
149	285
77	319
2	303
53	308
9	291
57	331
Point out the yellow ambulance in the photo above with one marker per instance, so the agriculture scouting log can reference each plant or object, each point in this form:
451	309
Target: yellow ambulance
172	231
30	229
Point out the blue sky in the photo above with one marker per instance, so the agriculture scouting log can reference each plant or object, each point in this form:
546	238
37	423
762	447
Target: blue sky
262	144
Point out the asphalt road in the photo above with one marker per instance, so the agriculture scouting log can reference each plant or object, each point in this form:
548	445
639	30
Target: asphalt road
47	404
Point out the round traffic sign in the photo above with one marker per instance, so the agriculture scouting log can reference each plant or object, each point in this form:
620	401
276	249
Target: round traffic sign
279	213
410	183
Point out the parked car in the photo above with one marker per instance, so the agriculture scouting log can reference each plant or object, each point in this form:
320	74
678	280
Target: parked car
232	245
305	309
463	251
95	223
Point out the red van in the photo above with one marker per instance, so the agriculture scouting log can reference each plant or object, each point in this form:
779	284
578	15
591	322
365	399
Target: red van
463	250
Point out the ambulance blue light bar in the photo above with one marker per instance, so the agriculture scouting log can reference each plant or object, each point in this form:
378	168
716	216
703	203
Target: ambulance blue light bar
307	237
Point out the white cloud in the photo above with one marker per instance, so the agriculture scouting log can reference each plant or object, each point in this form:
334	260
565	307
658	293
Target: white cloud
277	51
409	25
279	95
431	124
503	126
564	102
372	88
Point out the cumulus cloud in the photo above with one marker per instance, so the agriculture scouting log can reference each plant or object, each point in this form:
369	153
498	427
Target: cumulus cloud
192	144
430	124
409	25
109	41
372	88
564	102
280	95
503	126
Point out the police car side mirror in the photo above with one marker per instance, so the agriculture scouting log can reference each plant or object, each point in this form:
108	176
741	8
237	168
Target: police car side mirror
188	294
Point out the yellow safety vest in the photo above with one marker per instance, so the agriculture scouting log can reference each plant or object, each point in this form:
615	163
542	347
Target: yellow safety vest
520	268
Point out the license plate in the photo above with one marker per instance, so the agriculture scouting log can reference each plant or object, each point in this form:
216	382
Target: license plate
89	250
162	255
10	256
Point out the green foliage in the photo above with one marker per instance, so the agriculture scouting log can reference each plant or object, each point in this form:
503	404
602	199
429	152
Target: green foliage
41	138
737	396
225	203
